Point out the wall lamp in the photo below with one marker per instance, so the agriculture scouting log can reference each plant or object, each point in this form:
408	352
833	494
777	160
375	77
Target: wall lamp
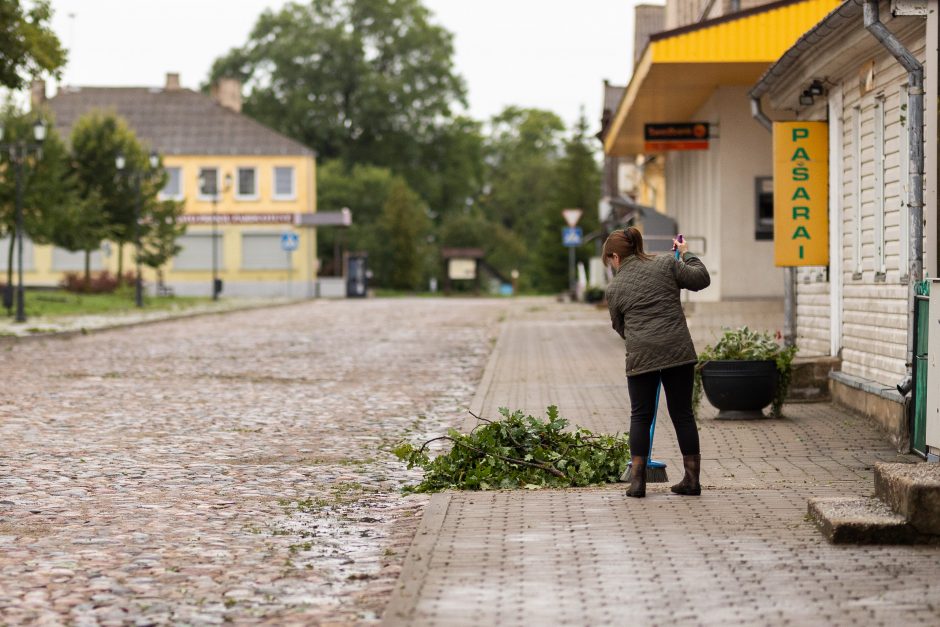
816	88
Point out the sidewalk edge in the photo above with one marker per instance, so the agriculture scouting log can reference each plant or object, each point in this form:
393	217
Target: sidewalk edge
401	607
65	335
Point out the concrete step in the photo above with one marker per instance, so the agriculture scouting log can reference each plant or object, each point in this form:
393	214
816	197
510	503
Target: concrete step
860	520
912	491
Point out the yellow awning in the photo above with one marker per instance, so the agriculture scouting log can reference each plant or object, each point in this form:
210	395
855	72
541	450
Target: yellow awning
681	68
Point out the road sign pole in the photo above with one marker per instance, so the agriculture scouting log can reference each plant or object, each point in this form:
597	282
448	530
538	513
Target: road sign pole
571	279
289	271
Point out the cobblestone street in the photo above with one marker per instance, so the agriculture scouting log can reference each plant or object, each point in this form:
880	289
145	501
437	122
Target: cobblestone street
229	467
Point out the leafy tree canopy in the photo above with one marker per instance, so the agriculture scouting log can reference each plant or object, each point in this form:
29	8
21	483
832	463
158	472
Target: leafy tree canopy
365	81
97	139
28	47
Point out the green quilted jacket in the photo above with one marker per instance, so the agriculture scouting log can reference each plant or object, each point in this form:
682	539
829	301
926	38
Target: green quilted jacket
645	310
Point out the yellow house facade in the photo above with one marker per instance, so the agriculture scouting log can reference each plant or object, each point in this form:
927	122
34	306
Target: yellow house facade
249	193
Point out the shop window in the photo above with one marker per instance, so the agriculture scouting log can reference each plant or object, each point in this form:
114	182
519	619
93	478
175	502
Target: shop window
879	187
904	161
28	264
262	251
196	253
68	261
857	192
764	205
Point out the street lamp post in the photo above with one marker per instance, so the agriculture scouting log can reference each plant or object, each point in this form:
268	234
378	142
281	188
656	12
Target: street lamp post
120	162
18	151
213	189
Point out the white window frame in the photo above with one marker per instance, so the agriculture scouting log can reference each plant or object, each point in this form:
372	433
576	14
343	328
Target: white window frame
238	194
218	183
878	115
181	193
857	190
293	183
904	217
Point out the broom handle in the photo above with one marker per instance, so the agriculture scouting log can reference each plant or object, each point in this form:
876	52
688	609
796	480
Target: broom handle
653	424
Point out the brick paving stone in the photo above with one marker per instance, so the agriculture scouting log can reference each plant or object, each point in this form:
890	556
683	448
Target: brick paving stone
741	554
227	468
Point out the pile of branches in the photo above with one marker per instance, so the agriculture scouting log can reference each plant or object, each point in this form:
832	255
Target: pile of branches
519	451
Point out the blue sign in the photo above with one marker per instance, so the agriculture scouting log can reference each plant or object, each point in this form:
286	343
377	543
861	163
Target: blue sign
289	241
571	236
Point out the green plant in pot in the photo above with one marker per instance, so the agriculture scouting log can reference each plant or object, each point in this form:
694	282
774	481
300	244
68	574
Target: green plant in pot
744	372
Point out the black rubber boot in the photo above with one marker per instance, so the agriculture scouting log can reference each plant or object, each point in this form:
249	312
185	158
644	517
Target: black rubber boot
690	486
637	478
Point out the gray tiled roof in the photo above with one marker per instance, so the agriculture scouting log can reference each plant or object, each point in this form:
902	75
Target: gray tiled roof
174	122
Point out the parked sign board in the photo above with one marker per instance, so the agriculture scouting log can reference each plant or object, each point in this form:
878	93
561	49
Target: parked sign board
801	193
661	137
459	269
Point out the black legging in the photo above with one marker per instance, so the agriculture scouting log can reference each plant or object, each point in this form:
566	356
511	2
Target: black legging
677	384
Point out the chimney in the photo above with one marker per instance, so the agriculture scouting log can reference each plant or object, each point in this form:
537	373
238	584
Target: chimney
228	93
172	81
37	96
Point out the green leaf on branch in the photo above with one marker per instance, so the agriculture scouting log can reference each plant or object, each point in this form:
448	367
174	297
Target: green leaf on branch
519	451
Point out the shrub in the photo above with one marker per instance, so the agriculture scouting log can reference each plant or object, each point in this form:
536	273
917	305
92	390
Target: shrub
744	344
100	283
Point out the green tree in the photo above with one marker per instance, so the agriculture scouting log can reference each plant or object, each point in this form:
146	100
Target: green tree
158	243
82	227
365	81
577	180
364	189
97	139
48	188
452	167
28	47
523	146
399	254
523	149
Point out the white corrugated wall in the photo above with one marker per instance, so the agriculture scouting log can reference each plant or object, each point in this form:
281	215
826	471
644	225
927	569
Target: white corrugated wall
874	303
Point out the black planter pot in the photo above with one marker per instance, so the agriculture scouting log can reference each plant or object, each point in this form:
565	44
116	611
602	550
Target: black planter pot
739	389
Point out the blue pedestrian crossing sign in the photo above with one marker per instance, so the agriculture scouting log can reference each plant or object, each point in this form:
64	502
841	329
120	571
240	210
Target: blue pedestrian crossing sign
289	241
571	236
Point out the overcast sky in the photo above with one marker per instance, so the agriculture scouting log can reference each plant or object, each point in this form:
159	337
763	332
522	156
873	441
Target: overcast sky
552	54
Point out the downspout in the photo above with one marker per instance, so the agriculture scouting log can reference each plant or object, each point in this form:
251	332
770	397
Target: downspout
915	192
789	273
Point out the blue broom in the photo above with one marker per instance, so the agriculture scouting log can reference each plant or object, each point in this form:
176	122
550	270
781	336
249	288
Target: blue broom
655	470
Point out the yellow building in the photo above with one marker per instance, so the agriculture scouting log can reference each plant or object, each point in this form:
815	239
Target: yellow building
249	192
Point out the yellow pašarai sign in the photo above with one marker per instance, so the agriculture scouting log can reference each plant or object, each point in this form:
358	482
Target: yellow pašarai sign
801	193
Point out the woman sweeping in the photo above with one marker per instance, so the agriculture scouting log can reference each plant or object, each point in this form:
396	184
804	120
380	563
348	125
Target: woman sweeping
646	312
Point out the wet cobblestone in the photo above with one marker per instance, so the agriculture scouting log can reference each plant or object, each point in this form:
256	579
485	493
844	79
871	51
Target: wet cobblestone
225	468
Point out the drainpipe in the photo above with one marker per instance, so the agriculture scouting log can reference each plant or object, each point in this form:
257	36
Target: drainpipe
789	273
915	193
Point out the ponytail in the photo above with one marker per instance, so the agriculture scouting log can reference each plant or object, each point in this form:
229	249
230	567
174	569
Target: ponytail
626	242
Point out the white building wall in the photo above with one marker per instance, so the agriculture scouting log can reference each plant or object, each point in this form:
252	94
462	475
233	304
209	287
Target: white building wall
711	194
875	303
693	190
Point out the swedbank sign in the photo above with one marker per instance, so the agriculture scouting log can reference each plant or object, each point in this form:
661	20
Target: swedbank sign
801	193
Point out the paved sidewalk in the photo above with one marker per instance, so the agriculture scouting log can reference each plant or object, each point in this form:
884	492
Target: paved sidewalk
743	553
